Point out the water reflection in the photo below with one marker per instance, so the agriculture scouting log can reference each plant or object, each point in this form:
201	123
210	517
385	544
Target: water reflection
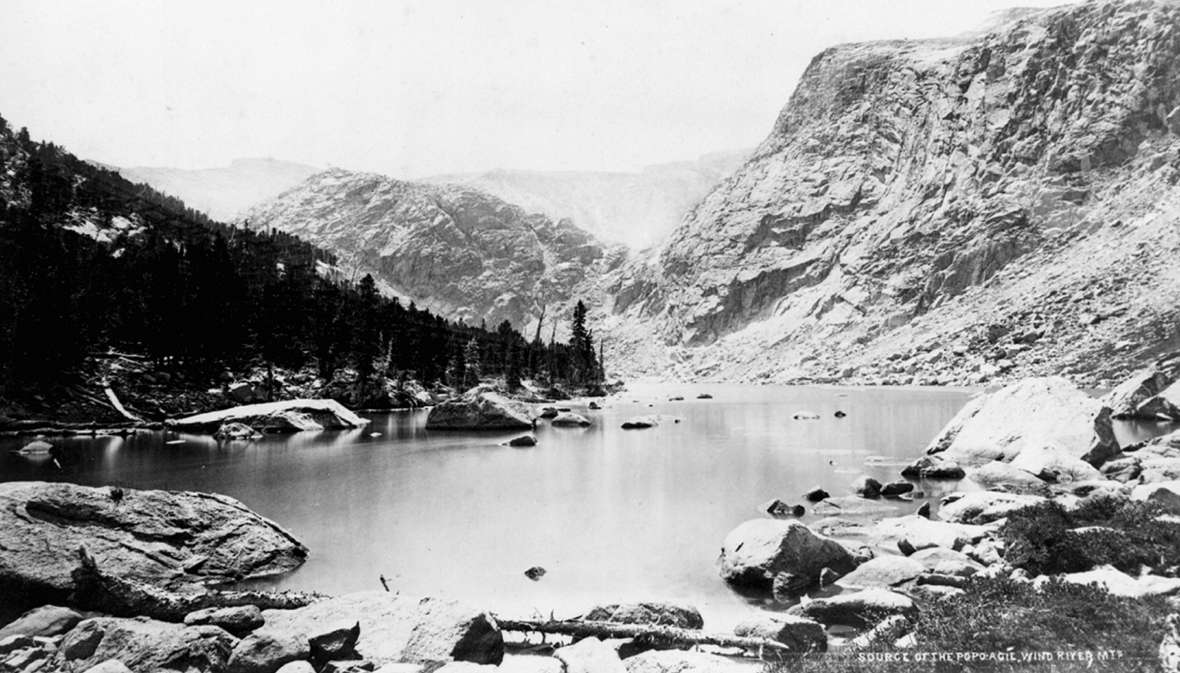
611	514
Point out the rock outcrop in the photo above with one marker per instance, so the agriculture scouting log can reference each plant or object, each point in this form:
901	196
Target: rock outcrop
479	411
964	210
163	538
460	252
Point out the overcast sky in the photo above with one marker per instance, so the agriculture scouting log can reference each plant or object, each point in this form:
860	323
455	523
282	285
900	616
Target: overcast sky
417	87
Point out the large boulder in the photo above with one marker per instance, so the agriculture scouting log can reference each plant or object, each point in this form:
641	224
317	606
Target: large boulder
1126	398
1162	407
396	628
267	652
677	661
859	609
916	533
238	620
980	507
1045	410
660	614
286	416
45	621
145	646
758	550
479	411
1053	463
163	538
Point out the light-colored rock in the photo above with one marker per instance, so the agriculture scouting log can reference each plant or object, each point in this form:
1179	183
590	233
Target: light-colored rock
166	538
299	667
479	410
922	533
757	550
882	572
677	661
109	666
798	633
1162	407
396	628
1053	462
45	621
523	663
857	609
569	419
1121	584
266	652
933	557
238	620
1008	477
981	507
887	631
1124	399
1170	645
144	645
1038	410
1164	494
235	431
589	655
285	416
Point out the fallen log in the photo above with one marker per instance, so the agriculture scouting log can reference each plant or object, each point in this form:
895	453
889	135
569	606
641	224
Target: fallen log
646	634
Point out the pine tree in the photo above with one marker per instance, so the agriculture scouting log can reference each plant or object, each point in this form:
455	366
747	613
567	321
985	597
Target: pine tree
584	362
472	365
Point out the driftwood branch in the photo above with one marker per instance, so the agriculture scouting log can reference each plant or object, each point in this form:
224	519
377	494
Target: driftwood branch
645	633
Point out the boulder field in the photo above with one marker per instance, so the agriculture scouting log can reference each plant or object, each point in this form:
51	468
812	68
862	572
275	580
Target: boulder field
1038	442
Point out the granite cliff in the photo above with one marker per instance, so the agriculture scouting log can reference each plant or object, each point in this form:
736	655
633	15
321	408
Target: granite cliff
991	206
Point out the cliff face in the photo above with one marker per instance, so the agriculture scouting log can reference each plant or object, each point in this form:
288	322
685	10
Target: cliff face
951	211
460	252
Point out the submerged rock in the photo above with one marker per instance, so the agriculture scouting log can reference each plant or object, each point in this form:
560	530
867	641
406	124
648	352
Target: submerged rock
523	441
286	416
570	419
867	487
479	411
164	538
816	494
639	423
758	550
396	628
660	614
235	430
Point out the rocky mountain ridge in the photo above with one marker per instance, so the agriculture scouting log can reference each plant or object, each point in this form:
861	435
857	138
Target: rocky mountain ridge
464	253
636	208
952	211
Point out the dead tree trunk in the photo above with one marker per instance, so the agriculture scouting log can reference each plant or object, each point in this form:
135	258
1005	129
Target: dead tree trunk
663	636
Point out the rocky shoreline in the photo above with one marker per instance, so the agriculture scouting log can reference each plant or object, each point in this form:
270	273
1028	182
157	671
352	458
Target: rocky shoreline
105	580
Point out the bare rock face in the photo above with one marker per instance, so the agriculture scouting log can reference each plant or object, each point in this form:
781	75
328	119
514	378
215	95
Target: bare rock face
460	252
1125	400
478	411
395	628
967	209
162	538
758	550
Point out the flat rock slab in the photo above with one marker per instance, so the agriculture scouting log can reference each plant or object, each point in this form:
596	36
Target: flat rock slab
164	538
397	628
981	507
858	609
882	572
285	416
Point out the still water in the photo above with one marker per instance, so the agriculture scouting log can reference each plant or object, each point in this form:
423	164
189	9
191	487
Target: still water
611	514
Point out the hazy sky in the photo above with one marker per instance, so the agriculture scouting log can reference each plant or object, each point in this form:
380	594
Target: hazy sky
415	87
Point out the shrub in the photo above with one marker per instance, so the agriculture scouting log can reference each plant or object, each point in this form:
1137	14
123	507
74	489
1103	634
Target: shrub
1044	539
1006	616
